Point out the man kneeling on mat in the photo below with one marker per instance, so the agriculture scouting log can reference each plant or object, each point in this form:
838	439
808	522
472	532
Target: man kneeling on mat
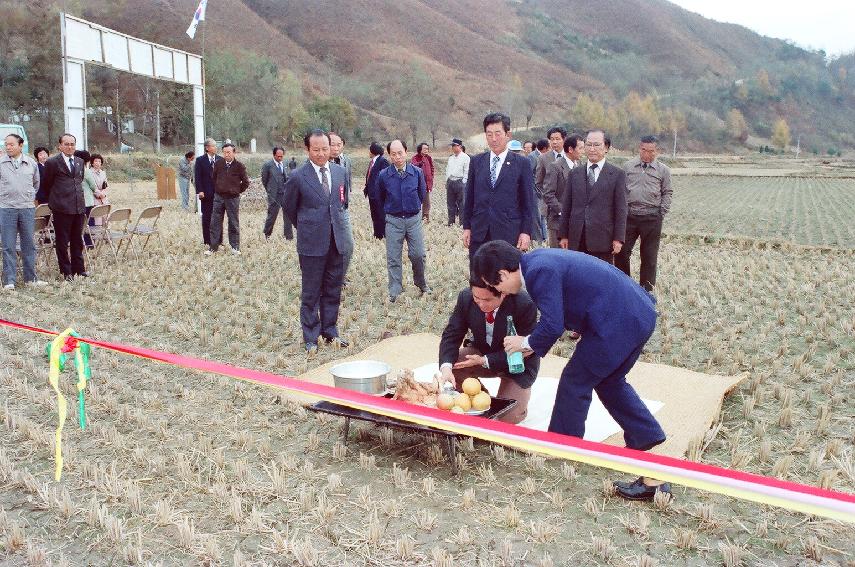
484	311
615	317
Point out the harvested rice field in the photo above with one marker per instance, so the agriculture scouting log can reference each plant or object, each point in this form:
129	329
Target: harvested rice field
179	467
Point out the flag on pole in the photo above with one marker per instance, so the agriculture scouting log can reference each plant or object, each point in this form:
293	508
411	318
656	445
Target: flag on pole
198	16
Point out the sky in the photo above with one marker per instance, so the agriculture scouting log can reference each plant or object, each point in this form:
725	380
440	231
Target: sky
820	24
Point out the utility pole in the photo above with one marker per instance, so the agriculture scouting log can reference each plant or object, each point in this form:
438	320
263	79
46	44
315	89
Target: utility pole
118	118
674	155
157	96
798	145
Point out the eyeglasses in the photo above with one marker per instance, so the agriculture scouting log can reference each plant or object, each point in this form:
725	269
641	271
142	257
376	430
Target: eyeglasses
593	144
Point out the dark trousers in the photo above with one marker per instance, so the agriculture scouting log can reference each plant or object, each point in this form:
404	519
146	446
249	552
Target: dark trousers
207	208
321	294
454	190
426	206
274	205
604	256
649	230
640	428
378	217
225	206
68	230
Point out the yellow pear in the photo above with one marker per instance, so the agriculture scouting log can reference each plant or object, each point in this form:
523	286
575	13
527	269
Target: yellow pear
471	386
445	401
481	401
463	402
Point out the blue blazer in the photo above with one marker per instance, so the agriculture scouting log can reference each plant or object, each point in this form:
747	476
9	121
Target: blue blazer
203	175
575	291
316	213
504	210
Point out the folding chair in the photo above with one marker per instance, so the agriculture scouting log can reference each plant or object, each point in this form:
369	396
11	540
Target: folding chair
146	226
43	210
43	238
116	230
95	233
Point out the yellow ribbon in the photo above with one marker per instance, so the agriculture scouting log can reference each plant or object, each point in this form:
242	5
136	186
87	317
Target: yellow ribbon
61	405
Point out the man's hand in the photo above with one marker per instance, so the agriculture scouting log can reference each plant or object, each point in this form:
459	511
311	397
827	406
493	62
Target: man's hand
200	195
616	246
564	243
513	344
523	242
467	237
447	376
471	360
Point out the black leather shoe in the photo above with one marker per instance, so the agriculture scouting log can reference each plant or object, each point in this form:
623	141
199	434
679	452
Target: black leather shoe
393	298
650	445
311	348
336	341
637	490
425	290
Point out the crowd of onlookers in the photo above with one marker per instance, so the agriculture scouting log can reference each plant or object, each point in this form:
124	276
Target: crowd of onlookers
71	183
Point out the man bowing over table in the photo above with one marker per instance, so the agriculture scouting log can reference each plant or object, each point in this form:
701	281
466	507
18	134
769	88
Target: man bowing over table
615	316
484	311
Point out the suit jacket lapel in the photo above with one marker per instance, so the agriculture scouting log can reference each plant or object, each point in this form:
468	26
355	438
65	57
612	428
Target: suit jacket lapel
505	166
314	182
477	323
604	173
500	325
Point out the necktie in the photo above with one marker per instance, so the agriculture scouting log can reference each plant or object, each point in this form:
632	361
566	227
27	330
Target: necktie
490	317
325	180
16	163
644	165
281	170
592	174
402	173
494	165
212	161
557	156
71	166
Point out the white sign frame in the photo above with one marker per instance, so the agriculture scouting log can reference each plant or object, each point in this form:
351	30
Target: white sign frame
86	42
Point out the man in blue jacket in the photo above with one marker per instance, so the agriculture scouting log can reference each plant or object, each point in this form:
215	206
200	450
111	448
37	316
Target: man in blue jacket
401	188
616	317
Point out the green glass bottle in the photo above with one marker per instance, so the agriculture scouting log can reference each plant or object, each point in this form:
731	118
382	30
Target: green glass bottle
515	360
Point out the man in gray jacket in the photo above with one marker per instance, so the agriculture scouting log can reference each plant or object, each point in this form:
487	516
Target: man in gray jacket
273	176
648	184
316	202
19	181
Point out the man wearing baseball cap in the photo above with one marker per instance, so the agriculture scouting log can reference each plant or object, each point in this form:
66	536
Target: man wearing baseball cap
456	173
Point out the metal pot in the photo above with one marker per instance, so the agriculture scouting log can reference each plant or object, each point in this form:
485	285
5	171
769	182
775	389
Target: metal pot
366	376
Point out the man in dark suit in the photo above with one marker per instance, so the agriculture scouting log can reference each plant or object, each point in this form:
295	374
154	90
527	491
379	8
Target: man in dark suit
616	318
378	163
555	181
63	190
593	213
203	176
316	202
499	191
484	311
273	176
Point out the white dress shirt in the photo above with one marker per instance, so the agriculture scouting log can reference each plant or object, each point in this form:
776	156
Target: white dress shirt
502	157
458	167
599	169
570	163
320	177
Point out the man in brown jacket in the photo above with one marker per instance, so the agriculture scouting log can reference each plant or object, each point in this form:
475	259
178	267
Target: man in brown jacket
230	180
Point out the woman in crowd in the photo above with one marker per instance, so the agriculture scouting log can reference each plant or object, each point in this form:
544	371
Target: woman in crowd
185	177
423	161
41	154
88	190
100	191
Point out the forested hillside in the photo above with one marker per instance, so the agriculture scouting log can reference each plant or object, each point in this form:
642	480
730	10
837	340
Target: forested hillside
429	69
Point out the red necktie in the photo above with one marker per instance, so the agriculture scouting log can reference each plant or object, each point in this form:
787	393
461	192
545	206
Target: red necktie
490	317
